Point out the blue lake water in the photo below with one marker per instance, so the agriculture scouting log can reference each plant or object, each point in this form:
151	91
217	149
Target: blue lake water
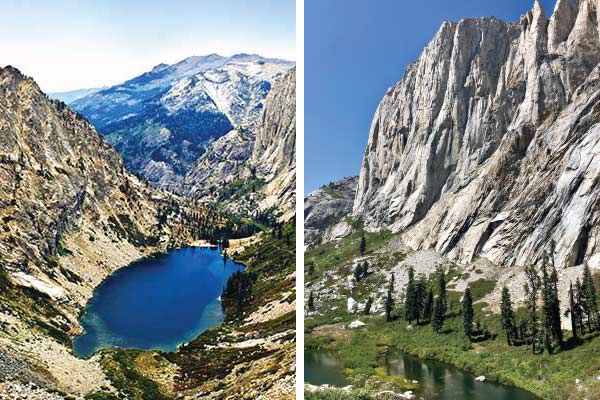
157	303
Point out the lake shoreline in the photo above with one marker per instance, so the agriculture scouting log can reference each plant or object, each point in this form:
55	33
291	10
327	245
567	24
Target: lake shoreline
342	336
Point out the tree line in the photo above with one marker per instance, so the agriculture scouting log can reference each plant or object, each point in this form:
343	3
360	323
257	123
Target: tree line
540	324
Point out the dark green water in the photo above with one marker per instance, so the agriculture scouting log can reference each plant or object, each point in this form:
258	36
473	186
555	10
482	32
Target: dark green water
437	381
157	303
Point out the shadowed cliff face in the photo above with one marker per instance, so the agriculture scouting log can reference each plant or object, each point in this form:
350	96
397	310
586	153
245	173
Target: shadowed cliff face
488	145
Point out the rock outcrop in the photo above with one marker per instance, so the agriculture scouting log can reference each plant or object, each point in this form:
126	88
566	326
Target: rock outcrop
325	210
488	146
267	158
274	152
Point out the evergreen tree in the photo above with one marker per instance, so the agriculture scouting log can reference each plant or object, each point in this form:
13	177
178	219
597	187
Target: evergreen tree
410	301
547	308
363	244
311	268
428	309
358	272
311	301
531	292
555	307
590	305
507	316
421	294
468	313
571	312
389	301
368	305
365	270
579	305
439	307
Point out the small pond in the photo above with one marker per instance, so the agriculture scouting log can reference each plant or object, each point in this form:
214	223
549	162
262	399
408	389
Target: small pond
437	381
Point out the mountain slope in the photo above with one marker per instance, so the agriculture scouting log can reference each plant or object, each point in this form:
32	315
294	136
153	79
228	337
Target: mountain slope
71	215
163	120
267	159
487	147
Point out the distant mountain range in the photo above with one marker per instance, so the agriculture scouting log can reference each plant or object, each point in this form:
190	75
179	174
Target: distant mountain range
163	120
72	95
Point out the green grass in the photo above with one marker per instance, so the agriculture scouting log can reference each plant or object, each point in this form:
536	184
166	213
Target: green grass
548	376
481	288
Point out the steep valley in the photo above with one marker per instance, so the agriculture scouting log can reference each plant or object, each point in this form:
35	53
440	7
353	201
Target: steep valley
71	216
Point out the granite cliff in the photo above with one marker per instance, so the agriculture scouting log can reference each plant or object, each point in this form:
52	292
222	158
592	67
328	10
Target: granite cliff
488	145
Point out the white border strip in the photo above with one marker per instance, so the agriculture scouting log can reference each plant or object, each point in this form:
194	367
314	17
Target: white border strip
299	199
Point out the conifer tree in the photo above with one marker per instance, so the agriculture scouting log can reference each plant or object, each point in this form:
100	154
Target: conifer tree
555	307
368	306
507	316
590	304
410	297
571	312
421	294
579	305
467	313
363	244
532	288
389	301
358	272
311	301
428	309
439	307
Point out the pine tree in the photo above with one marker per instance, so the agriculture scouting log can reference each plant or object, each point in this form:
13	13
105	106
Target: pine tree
358	272
368	305
439	307
389	301
531	292
507	316
363	244
311	302
420	296
579	305
571	311
590	304
555	307
547	308
468	313
428	309
438	315
410	297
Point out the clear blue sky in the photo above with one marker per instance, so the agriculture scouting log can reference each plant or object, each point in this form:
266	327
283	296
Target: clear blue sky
73	44
356	50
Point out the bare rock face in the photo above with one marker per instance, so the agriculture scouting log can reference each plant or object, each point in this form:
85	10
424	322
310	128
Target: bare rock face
274	152
70	212
325	210
488	145
268	156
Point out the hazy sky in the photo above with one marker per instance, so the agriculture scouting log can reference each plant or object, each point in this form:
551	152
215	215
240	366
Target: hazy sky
70	44
354	51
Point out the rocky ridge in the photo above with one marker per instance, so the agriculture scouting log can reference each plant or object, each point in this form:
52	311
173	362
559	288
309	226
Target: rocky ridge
71	215
325	210
488	145
163	120
267	158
